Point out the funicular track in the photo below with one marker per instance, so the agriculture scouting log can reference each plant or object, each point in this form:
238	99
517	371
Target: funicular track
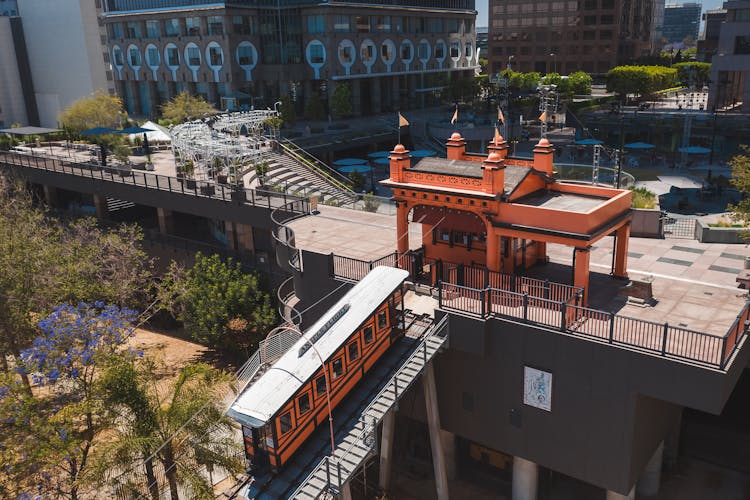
353	420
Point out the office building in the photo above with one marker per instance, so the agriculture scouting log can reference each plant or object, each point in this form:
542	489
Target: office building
567	36
681	22
17	103
709	40
66	55
730	68
249	54
8	8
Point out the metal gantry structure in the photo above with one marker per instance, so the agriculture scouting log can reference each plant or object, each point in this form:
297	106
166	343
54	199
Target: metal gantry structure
548	102
223	144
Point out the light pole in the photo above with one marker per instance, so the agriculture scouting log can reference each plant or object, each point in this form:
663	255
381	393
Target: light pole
292	328
554	62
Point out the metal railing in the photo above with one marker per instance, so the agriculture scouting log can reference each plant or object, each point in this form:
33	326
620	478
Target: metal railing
284	235
663	339
147	180
339	468
287	311
436	271
327	173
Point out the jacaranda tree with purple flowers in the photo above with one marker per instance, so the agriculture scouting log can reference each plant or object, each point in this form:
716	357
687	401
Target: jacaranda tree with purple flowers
49	431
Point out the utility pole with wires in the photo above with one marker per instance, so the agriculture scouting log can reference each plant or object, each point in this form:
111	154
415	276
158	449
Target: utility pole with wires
548	102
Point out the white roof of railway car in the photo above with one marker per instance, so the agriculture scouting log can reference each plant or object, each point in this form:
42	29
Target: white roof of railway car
256	405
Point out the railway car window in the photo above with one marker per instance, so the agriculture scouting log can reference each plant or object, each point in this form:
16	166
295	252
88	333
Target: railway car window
353	351
320	385
285	422
382	320
338	367
368	336
303	402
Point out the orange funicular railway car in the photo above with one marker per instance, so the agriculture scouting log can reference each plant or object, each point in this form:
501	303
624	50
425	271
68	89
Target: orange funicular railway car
287	403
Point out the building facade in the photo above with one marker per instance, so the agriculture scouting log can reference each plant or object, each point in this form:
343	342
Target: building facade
66	54
568	36
681	21
17	103
249	53
709	41
730	68
8	8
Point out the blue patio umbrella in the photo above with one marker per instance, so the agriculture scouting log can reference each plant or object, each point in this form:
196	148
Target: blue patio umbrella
379	154
382	161
694	150
99	131
639	145
345	162
348	169
134	130
589	142
423	153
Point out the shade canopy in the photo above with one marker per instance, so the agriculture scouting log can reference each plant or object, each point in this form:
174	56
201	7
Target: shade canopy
345	162
30	131
379	154
362	169
135	130
639	145
422	153
382	161
99	131
157	134
589	142
694	150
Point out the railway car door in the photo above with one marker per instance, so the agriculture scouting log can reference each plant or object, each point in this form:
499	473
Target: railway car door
260	452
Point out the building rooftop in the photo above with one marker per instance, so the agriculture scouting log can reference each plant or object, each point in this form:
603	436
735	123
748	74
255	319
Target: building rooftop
514	174
561	201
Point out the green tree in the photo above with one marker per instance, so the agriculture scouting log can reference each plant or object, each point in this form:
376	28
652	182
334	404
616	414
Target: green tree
640	80
358	180
181	427
740	164
287	110
261	172
314	108
693	73
184	107
219	304
580	83
100	110
341	101
53	429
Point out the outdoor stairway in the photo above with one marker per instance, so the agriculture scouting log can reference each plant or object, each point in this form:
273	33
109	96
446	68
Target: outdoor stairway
297	178
113	204
332	473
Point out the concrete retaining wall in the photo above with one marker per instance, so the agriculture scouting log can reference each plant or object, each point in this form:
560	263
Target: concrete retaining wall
646	223
706	234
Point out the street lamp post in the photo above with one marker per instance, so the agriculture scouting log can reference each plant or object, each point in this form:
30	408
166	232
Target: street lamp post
292	328
554	62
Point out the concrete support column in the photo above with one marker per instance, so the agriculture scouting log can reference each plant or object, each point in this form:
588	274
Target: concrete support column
386	450
449	448
166	220
402	230
153	98
346	492
100	204
611	495
396	92
525	479
650	480
621	252
135	95
213	94
493	251
377	106
171	90
433	423
245	241
330	88
582	258
356	97
672	445
50	196
412	87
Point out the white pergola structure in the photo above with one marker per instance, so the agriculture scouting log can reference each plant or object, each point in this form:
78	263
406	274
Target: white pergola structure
217	146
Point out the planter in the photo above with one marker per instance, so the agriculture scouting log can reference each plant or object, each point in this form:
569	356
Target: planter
208	189
190	183
646	223
707	234
239	196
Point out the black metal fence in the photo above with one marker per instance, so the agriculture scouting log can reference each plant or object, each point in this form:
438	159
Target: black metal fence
679	227
658	338
203	189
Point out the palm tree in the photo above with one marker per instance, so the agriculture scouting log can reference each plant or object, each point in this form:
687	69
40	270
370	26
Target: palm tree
177	429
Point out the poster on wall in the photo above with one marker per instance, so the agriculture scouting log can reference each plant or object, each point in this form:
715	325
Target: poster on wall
537	388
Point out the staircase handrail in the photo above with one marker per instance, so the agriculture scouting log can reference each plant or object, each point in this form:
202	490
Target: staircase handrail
317	166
